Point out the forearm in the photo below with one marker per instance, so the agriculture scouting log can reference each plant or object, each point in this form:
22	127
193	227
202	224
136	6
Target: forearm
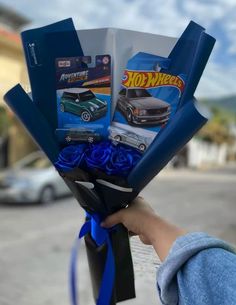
162	235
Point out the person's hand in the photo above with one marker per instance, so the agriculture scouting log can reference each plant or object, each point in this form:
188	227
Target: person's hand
140	219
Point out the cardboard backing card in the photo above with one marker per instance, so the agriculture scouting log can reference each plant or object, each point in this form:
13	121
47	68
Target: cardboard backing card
148	99
122	45
83	98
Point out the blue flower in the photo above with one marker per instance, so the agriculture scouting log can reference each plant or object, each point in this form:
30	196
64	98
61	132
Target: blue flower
98	155
70	157
122	160
104	156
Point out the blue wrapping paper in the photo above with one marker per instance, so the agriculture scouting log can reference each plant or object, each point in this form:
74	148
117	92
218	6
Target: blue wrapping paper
42	46
189	56
183	53
36	124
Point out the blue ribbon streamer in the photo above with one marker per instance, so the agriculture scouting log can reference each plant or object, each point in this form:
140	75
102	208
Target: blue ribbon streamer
100	236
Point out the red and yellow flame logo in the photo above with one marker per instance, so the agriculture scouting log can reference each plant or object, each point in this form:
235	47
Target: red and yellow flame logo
145	79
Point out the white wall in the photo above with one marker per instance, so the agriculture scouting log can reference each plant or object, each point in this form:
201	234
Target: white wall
201	153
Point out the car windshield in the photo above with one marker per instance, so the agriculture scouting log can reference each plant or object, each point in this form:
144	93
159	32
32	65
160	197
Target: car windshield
85	96
135	93
33	160
131	135
38	163
69	95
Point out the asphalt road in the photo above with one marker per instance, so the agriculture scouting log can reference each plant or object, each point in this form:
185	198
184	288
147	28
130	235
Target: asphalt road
35	241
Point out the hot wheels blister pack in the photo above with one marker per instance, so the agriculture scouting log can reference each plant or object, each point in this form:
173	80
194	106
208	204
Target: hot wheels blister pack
83	98
148	99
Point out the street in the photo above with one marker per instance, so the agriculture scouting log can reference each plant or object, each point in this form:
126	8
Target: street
35	241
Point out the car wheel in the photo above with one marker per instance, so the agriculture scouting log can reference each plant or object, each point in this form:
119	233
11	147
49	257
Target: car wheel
85	116
142	147
62	107
90	139
117	138
47	194
129	116
68	139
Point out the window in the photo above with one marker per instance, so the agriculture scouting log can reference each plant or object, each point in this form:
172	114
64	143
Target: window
132	135
85	96
69	95
136	93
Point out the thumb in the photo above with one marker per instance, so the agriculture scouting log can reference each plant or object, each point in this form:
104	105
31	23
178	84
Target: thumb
112	220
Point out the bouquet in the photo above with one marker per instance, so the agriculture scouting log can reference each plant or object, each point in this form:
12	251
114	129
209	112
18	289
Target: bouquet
110	108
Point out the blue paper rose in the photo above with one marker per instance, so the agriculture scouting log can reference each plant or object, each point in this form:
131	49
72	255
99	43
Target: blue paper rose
104	156
98	155
70	157
122	160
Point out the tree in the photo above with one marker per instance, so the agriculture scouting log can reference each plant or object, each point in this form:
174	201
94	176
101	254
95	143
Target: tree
217	130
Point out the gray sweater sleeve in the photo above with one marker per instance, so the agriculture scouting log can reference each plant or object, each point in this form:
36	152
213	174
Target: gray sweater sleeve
190	261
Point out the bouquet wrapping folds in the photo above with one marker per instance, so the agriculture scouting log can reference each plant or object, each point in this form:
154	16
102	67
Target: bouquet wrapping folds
111	126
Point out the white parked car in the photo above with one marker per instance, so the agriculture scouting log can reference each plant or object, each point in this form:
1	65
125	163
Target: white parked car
119	135
32	179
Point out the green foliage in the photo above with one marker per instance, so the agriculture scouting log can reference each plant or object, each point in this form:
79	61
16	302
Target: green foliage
217	129
223	116
226	103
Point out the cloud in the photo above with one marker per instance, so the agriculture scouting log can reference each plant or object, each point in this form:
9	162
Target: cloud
229	26
166	17
217	81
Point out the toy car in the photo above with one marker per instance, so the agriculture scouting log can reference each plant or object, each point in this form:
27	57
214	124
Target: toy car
118	135
76	135
84	103
140	107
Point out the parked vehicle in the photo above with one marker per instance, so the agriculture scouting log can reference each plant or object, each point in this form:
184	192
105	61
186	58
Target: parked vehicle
80	135
140	107
32	179
84	103
118	135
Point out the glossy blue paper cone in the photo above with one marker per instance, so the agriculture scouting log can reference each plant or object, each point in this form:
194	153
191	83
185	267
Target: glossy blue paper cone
36	124
189	56
183	53
42	46
205	46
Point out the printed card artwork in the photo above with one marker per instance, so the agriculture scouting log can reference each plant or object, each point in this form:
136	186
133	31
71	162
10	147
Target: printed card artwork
147	100
83	98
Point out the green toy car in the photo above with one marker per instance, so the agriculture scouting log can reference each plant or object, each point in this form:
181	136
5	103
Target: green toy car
84	103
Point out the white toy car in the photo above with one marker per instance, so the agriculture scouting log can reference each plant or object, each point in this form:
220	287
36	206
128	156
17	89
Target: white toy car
119	135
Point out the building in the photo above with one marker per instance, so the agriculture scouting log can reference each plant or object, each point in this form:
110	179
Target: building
11	57
13	71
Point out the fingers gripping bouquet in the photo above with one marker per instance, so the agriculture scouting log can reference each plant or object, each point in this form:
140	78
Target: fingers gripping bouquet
110	108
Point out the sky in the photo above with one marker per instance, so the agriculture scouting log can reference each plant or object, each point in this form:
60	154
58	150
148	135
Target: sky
165	17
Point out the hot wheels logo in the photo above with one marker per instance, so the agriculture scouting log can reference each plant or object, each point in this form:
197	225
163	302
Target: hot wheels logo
145	79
